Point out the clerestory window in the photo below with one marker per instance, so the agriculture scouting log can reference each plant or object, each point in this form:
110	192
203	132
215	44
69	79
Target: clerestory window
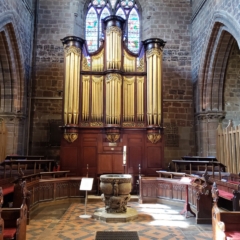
99	9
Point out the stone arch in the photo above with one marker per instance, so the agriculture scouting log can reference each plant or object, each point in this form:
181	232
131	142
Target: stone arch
220	38
11	67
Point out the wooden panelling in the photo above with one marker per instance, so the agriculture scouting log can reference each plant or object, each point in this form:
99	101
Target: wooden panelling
101	156
154	159
89	156
134	157
112	149
69	157
104	163
117	163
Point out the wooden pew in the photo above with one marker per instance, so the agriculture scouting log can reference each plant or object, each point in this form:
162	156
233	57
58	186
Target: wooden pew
196	194
229	194
19	163
21	192
225	224
13	221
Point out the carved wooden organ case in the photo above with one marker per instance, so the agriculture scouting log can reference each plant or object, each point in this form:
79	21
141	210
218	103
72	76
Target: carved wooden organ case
112	99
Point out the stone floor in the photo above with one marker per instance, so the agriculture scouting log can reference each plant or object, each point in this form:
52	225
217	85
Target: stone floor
155	221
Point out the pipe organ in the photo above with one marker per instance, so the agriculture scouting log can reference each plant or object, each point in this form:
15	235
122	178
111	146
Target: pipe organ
112	98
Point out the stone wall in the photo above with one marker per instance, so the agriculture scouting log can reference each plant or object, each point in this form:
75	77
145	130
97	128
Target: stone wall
232	88
56	20
170	20
16	34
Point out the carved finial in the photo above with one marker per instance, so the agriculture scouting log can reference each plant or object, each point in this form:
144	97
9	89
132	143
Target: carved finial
205	176
215	193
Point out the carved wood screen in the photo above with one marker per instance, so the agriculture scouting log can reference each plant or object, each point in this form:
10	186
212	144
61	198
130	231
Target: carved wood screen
113	89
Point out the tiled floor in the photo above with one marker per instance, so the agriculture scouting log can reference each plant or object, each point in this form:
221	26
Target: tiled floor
155	221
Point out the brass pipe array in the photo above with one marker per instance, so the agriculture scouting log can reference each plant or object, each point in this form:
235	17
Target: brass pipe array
140	99
97	61
85	97
114	47
154	86
71	89
128	99
113	98
129	62
97	98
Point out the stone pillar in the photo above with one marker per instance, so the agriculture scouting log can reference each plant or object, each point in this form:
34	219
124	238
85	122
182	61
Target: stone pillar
206	135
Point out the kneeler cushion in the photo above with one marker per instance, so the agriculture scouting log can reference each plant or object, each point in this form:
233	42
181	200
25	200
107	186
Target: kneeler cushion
233	235
7	190
226	195
9	233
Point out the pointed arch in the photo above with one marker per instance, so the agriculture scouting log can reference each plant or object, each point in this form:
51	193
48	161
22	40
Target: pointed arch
220	38
12	67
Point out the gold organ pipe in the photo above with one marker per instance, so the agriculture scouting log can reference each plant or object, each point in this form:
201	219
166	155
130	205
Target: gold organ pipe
93	100
119	100
78	85
70	105
113	50
83	98
124	99
66	89
108	51
75	110
154	89
150	90
159	89
107	105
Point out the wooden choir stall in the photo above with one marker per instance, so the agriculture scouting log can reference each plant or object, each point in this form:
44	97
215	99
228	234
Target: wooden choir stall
193	192
112	111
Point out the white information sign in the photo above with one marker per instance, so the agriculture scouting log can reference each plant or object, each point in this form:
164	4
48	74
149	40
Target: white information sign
86	184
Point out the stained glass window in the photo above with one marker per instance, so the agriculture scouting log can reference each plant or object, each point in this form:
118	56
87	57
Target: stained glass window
99	9
92	30
104	14
121	13
133	31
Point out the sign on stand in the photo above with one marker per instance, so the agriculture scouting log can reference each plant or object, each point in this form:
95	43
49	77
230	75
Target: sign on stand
86	185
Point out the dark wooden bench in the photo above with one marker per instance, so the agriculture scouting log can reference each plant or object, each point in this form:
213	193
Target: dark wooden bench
36	163
13	221
229	194
225	224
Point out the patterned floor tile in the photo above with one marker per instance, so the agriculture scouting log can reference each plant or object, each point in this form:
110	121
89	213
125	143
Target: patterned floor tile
155	221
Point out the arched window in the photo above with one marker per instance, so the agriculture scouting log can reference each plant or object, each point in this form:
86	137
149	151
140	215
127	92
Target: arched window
99	9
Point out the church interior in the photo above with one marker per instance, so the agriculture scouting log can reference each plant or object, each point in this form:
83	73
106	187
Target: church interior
127	110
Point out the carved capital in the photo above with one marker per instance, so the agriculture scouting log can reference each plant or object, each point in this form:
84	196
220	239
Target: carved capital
154	137
70	137
210	116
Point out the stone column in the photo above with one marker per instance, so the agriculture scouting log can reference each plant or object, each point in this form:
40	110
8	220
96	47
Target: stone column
206	135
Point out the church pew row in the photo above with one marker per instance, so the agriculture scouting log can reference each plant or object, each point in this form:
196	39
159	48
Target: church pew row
229	194
36	164
156	189
13	221
225	224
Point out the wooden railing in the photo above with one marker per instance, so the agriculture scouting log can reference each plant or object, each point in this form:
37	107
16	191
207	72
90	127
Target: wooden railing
228	147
